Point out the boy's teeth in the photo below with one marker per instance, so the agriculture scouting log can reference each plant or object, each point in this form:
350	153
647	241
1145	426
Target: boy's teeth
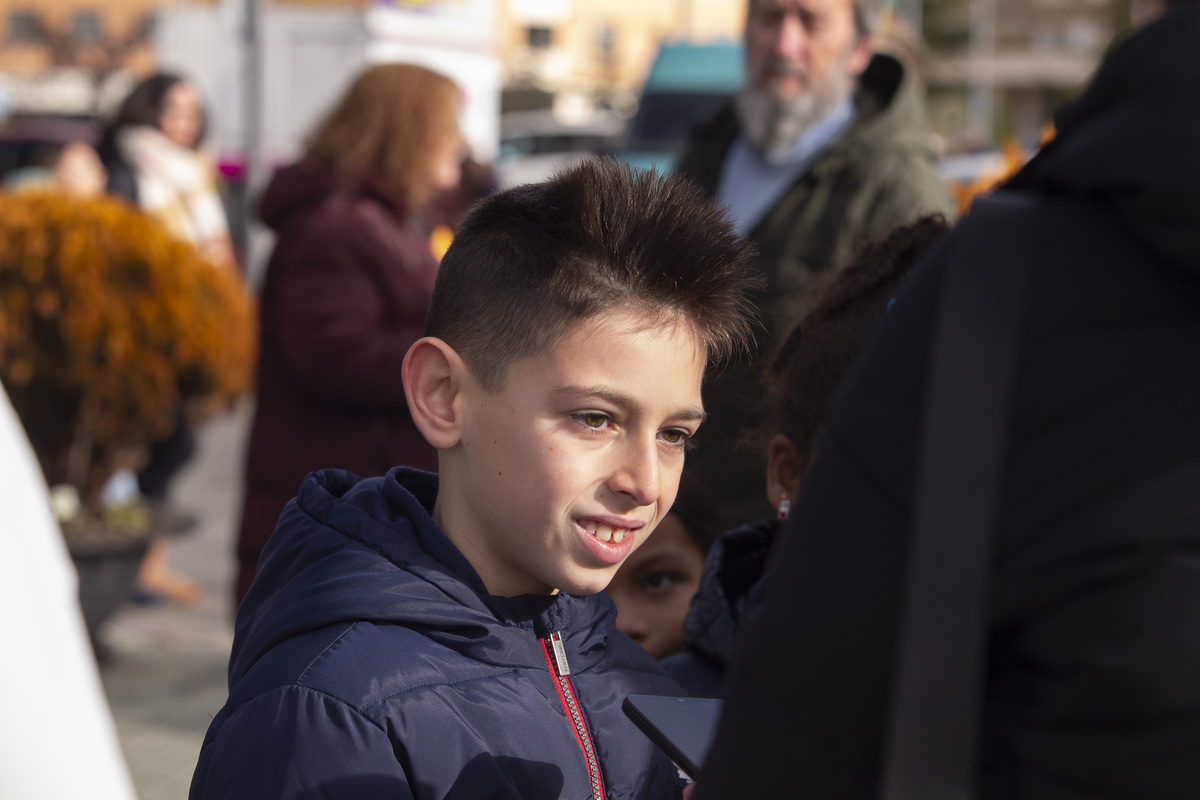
604	533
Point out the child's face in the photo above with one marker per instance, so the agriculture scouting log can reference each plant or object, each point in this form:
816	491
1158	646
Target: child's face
181	119
566	470
79	171
653	590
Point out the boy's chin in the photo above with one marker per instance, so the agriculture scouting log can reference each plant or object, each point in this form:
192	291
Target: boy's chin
587	584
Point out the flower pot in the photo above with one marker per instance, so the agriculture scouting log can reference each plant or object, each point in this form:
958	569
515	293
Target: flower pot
108	570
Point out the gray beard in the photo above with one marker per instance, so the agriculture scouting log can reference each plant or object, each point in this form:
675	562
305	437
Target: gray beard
773	126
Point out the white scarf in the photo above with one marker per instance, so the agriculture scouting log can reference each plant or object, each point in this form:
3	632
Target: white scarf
175	185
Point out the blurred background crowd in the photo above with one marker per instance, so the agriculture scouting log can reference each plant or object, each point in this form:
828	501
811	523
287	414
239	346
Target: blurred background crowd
240	205
542	81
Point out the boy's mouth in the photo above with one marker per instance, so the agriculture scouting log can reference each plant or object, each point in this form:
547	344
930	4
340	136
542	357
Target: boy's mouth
609	538
605	533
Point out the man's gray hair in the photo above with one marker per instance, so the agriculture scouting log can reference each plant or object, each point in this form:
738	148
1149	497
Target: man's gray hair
866	16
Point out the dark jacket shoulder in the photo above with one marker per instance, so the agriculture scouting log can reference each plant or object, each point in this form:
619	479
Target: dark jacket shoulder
729	587
1093	586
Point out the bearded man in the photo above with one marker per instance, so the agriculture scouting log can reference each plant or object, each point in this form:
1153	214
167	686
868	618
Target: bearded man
823	149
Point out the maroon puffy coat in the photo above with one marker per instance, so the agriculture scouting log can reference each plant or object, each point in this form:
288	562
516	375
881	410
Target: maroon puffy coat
345	295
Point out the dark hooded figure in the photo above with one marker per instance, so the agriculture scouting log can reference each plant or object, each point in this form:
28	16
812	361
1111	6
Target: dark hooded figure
1092	685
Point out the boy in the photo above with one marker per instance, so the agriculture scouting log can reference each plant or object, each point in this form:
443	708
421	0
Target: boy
441	636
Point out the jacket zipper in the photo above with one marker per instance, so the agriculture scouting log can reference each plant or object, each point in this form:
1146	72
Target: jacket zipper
556	661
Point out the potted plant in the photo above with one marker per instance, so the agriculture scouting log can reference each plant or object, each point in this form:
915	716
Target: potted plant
108	327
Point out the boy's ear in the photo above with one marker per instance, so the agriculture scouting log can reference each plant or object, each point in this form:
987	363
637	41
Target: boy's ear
433	375
785	469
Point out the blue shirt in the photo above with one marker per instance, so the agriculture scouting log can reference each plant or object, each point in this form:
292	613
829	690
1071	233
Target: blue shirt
752	182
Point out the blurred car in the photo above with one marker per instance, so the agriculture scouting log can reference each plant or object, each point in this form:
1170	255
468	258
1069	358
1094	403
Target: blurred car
686	86
533	144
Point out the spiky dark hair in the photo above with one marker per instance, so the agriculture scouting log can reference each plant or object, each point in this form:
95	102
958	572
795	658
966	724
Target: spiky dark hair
529	262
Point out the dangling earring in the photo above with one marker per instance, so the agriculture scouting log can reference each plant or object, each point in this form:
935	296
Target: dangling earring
785	506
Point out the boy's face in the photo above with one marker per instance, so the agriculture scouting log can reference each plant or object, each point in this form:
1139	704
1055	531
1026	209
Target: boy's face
566	470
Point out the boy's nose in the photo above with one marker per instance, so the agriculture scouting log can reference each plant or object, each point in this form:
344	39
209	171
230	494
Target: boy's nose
636	475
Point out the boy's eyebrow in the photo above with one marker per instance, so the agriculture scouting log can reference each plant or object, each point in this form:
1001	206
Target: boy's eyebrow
624	402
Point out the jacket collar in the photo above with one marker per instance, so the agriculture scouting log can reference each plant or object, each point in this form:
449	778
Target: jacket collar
349	550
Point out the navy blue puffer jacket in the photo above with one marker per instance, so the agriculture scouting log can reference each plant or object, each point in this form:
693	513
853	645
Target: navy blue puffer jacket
370	662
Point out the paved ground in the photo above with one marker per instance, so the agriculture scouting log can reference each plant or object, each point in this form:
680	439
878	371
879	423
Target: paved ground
165	667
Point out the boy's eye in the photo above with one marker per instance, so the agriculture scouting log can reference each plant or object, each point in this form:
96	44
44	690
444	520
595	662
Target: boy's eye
675	437
593	419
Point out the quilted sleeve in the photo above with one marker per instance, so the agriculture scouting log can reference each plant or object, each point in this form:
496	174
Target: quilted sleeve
296	742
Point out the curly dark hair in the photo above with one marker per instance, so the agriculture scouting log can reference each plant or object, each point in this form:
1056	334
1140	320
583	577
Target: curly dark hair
809	366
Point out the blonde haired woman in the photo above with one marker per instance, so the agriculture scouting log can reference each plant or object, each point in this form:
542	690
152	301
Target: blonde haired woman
346	291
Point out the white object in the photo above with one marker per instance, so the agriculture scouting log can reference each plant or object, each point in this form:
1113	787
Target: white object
57	737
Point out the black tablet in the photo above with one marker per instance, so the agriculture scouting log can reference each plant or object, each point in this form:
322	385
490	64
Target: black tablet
682	727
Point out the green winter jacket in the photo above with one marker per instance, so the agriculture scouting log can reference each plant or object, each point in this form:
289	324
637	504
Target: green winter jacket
880	174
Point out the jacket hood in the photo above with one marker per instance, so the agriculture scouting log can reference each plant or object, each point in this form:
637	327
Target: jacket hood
349	550
889	114
293	190
1130	140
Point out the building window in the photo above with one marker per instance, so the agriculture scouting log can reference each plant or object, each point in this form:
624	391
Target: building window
85	27
22	27
538	38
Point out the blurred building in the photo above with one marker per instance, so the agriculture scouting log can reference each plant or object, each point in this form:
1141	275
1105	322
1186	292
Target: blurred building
998	69
575	54
71	56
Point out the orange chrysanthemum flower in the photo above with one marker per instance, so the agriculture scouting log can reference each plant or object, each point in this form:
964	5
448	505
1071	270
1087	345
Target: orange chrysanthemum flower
108	327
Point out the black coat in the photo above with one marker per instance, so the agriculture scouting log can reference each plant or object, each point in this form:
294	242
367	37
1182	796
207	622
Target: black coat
730	586
1093	688
121	181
